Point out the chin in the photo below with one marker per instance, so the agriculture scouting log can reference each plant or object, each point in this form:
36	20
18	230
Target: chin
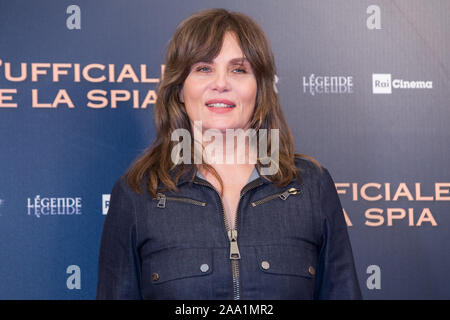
222	127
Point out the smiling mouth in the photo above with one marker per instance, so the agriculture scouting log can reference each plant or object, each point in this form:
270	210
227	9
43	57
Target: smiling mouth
220	105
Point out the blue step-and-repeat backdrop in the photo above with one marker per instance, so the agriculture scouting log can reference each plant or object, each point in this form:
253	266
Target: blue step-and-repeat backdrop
364	86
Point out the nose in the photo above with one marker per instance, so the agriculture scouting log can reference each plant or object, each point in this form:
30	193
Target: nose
221	82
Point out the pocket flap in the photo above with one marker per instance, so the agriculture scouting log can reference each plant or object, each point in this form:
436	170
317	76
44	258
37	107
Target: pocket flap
171	264
287	260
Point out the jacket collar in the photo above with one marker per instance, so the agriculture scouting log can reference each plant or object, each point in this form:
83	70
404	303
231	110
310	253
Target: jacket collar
190	175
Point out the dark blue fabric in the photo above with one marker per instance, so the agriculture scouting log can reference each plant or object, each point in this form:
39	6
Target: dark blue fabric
181	251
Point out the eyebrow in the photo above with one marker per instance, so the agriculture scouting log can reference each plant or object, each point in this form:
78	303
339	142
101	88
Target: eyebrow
239	60
232	61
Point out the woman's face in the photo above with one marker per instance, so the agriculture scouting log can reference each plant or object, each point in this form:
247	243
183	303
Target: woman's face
221	93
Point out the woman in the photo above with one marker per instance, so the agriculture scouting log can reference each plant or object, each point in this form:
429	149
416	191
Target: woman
179	228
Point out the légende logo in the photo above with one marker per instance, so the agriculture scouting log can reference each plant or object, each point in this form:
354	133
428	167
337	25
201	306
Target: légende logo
46	206
382	83
314	84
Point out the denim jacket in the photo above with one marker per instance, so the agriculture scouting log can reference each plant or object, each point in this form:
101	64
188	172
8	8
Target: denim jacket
289	243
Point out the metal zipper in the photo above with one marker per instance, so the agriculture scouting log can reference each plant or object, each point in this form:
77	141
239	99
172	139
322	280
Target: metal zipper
235	255
162	198
282	195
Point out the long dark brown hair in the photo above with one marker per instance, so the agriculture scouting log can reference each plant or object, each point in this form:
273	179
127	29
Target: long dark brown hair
199	38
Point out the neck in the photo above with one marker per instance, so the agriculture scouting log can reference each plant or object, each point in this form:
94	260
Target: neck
235	147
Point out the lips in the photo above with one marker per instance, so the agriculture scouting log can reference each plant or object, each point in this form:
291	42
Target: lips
220	103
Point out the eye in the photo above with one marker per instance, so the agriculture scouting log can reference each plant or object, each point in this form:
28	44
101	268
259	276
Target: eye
203	69
239	70
242	68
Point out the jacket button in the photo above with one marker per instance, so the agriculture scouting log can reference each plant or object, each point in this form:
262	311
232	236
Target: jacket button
311	270
265	265
155	276
204	267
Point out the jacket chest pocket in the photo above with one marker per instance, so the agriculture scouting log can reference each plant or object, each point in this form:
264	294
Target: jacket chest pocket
286	272
287	260
163	199
284	195
178	273
288	213
173	264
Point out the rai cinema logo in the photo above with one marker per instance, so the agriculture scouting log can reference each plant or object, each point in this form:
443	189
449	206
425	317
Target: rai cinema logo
382	83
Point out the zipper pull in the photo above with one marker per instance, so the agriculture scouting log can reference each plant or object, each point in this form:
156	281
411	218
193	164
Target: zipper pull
161	200
287	193
234	249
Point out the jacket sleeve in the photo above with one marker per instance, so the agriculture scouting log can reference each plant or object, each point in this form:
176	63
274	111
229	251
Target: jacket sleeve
336	275
118	269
